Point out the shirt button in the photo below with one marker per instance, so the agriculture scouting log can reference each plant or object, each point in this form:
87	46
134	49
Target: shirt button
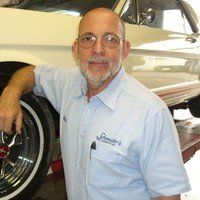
77	188
81	136
65	119
79	163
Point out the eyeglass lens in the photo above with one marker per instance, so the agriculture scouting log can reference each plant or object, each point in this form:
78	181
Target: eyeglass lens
109	41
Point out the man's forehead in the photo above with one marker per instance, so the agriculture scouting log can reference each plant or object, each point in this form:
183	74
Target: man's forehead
103	19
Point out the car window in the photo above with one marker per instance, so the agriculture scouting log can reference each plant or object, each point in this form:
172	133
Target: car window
72	7
169	15
163	14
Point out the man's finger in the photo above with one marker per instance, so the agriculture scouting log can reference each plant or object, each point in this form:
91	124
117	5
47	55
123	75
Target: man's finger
1	125
18	123
1	120
7	125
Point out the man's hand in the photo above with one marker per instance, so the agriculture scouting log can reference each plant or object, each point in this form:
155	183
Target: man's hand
21	82
10	110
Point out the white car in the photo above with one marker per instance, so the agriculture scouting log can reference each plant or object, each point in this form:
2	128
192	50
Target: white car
165	57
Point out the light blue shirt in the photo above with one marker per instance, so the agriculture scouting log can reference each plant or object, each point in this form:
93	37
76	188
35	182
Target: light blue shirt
137	153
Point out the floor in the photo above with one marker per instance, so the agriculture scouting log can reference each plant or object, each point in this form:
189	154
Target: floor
193	170
188	127
53	188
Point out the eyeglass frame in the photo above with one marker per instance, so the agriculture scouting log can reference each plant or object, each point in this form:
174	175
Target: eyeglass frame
106	34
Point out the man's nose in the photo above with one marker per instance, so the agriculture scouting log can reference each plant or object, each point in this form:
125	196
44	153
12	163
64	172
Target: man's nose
98	47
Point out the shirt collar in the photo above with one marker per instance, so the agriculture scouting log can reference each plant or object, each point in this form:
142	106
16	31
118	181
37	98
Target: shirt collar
82	86
110	94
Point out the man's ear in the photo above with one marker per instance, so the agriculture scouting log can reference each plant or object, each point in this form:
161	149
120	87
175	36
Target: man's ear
126	49
75	51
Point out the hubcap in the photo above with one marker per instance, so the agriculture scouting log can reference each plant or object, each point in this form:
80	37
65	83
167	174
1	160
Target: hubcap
6	145
20	155
4	150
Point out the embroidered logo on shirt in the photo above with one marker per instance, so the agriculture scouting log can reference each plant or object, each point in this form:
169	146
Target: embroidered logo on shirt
104	138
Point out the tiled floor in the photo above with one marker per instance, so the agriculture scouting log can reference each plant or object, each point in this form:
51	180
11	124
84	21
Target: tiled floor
53	187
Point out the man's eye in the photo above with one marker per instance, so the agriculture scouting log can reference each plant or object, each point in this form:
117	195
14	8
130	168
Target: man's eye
111	39
87	39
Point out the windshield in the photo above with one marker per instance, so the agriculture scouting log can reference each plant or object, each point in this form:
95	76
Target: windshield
72	7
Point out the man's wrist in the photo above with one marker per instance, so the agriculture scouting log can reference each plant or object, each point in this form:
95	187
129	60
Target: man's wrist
14	92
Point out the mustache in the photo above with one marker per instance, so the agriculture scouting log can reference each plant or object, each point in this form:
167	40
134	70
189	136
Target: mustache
98	59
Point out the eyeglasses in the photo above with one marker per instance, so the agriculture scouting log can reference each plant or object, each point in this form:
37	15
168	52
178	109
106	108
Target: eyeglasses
109	41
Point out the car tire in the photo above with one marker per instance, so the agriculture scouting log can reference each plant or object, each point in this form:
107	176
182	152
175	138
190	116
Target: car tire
194	106
25	166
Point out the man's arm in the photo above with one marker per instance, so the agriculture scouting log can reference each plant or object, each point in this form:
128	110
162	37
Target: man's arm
175	197
21	82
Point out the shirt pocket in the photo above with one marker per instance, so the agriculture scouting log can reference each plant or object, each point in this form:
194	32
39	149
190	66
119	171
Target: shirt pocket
106	169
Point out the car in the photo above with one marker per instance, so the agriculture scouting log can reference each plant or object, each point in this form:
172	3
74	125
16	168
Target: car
165	57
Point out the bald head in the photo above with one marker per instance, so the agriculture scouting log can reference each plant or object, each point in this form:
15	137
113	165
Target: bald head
106	13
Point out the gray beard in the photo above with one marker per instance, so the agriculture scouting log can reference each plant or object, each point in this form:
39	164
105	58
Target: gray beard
96	82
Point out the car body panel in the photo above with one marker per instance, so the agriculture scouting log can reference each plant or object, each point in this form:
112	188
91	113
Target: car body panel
164	61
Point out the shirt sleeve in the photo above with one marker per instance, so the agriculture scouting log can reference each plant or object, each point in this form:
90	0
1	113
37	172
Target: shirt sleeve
160	159
49	83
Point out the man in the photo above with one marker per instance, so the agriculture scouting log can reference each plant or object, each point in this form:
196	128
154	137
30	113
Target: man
118	139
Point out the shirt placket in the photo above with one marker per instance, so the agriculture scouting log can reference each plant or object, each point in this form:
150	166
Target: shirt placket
82	154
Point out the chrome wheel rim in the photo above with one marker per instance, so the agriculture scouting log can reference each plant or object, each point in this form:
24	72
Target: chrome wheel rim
20	155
